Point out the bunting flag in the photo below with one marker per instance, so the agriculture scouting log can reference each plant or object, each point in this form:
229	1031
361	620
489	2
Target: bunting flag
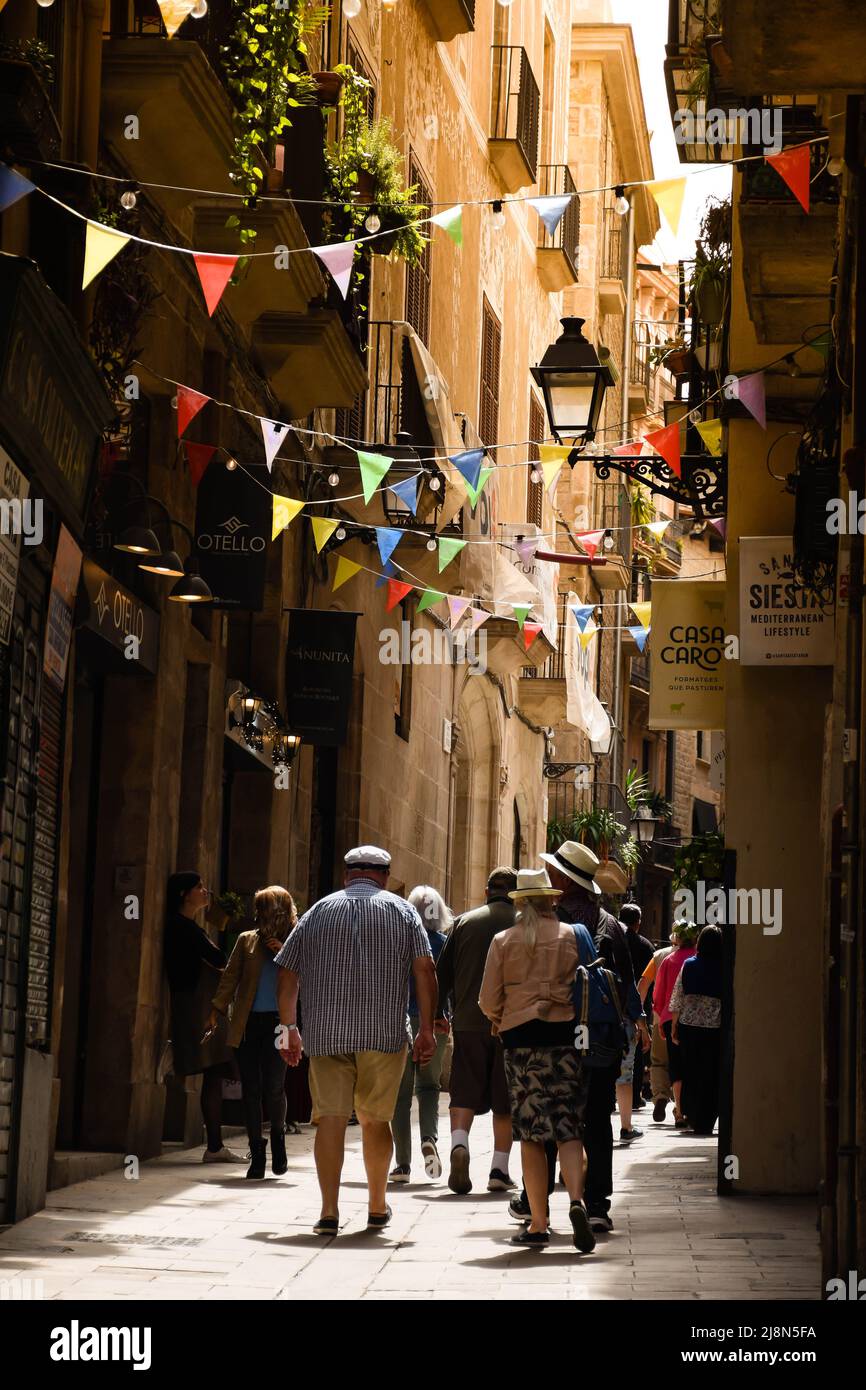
751	392
12	187
457	607
407	491
590	631
101	245
640	634
530	632
526	550
551	210
642	612
285	509
721	526
475	492
469	465
427	600
711	433
323	530
451	219
346	569
387	539
214	272
373	469
629	450
794	167
338	259
198	456
189	403
551	471
666	443
389	571
448	549
590	540
397	590
273	434
582	613
658	528
521	613
669	195
174	12
551	458
477	616
821	344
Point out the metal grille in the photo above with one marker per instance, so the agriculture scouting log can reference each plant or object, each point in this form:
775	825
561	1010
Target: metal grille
50	28
556	180
615	246
491	353
641	368
44	876
515	102
418	276
554	667
534	491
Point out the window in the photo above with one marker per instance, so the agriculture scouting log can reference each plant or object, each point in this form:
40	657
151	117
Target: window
418	276
548	97
355	60
403	681
534	491
491	353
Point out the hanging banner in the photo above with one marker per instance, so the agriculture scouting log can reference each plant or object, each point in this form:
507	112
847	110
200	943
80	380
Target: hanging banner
781	623
115	614
64	582
687	656
583	708
232	532
14	489
320	661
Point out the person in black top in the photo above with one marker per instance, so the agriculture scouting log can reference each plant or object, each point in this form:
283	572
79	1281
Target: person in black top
641	951
193	965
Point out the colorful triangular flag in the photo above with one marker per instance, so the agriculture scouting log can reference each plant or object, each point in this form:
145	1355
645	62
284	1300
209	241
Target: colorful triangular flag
582	613
642	612
666	443
346	569
794	166
640	634
457	607
198	456
214	272
477	616
475	492
174	12
521	613
551	210
407	491
469	465
821	344
323	530
721	526
427	600
658	528
526	550
397	590
452	221
627	450
101	245
590	631
338	258
669	195
389	571
590	540
273	434
373	469
285	509
711	433
448	549
12	187
387	539
750	392
189	403
530	631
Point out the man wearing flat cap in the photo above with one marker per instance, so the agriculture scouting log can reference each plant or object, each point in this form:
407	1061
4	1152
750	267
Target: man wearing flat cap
351	955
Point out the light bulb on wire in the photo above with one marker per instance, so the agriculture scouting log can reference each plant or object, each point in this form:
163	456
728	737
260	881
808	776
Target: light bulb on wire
334	479
128	199
45	4
608	541
835	166
794	368
535	475
351	8
431	544
497	215
389	4
340	533
621	204
373	222
200	10
231	464
435	484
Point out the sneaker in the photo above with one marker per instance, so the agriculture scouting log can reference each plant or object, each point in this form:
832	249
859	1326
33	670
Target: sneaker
600	1221
499	1181
400	1173
432	1161
458	1179
531	1238
660	1110
628	1136
584	1240
222	1155
518	1210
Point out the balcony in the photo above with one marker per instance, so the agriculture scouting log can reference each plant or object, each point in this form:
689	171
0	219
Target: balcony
451	17
614	272
693	65
515	113
27	119
557	255
543	694
642	370
780	45
639	673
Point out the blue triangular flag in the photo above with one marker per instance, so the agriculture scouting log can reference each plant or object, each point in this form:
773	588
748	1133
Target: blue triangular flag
387	539
583	612
469	464
389	571
407	492
12	187
640	634
551	210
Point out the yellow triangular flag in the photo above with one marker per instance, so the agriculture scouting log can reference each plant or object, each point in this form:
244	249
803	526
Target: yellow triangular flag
323	530
101	245
346	569
658	528
174	12
711	433
285	510
669	194
590	631
642	612
551	469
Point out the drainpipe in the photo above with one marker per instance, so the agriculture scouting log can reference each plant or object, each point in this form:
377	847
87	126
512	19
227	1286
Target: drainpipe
628	333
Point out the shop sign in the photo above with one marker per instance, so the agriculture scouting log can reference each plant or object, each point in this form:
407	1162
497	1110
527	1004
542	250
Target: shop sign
687	660
781	622
61	603
232	533
320	660
116	615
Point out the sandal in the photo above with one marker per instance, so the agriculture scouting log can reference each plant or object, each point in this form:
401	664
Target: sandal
327	1226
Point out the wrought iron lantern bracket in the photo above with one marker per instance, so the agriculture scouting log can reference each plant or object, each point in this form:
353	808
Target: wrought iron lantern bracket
703	485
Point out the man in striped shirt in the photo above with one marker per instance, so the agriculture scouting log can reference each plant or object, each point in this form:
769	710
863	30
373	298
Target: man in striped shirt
351	956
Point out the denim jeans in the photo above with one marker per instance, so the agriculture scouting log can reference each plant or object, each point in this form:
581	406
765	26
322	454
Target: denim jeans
263	1073
424	1083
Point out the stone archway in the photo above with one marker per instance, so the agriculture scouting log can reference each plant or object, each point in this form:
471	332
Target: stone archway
475	833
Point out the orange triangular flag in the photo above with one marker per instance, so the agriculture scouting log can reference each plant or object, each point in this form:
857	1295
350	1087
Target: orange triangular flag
397	590
214	273
666	443
794	166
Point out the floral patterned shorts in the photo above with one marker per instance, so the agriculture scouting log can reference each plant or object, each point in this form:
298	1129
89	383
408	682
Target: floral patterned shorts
547	1087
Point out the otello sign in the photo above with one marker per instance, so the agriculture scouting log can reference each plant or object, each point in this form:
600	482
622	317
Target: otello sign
232	530
687	667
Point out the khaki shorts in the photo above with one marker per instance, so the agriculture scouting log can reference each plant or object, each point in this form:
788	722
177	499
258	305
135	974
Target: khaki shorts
366	1082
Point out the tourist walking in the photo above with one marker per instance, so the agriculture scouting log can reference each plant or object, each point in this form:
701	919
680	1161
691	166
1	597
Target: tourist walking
683	936
628	1082
528	995
193	965
422	1080
572	868
696	1018
477	1082
352	955
249	986
660	1082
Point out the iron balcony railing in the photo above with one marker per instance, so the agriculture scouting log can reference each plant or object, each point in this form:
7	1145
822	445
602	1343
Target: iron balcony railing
554	180
691	20
565	800
554	667
639	676
131	19
642	369
515	102
615	248
799	124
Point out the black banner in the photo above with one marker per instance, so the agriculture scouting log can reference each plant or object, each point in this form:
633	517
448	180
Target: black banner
232	533
116	615
320	659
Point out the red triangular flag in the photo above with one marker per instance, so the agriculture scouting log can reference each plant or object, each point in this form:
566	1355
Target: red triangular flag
530	632
794	166
590	540
198	456
666	443
189	403
397	590
633	448
214	273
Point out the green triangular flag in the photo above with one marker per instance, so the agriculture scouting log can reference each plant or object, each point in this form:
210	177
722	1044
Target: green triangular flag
475	492
373	469
821	344
428	598
452	221
447	551
521	613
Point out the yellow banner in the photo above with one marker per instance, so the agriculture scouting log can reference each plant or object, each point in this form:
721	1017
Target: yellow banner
687	662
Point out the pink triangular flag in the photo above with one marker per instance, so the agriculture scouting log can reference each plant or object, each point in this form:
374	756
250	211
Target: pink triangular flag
338	259
750	390
526	550
530	632
590	541
189	403
666	443
198	456
457	607
214	273
477	616
721	526
273	434
794	166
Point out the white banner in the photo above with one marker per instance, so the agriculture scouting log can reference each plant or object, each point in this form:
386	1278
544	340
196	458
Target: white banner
584	709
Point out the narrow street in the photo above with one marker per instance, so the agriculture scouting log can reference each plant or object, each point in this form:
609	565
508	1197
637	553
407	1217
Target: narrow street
184	1232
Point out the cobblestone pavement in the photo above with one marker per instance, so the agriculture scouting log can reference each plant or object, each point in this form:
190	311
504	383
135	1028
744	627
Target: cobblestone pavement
183	1231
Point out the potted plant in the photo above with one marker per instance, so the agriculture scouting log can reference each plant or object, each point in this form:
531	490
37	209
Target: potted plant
701	860
673	354
710	285
328	87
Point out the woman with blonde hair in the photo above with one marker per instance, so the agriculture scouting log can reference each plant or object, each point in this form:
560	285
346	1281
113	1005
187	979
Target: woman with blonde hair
249	987
527	993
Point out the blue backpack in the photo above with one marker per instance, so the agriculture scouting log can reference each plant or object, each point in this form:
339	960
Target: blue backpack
599	1034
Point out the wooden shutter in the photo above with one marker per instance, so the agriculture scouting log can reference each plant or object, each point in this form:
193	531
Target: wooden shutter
418	276
534	491
491	353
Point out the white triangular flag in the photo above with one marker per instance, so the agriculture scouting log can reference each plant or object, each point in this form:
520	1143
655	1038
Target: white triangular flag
273	434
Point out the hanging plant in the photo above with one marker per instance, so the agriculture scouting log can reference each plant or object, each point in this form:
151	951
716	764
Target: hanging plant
701	860
642	509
